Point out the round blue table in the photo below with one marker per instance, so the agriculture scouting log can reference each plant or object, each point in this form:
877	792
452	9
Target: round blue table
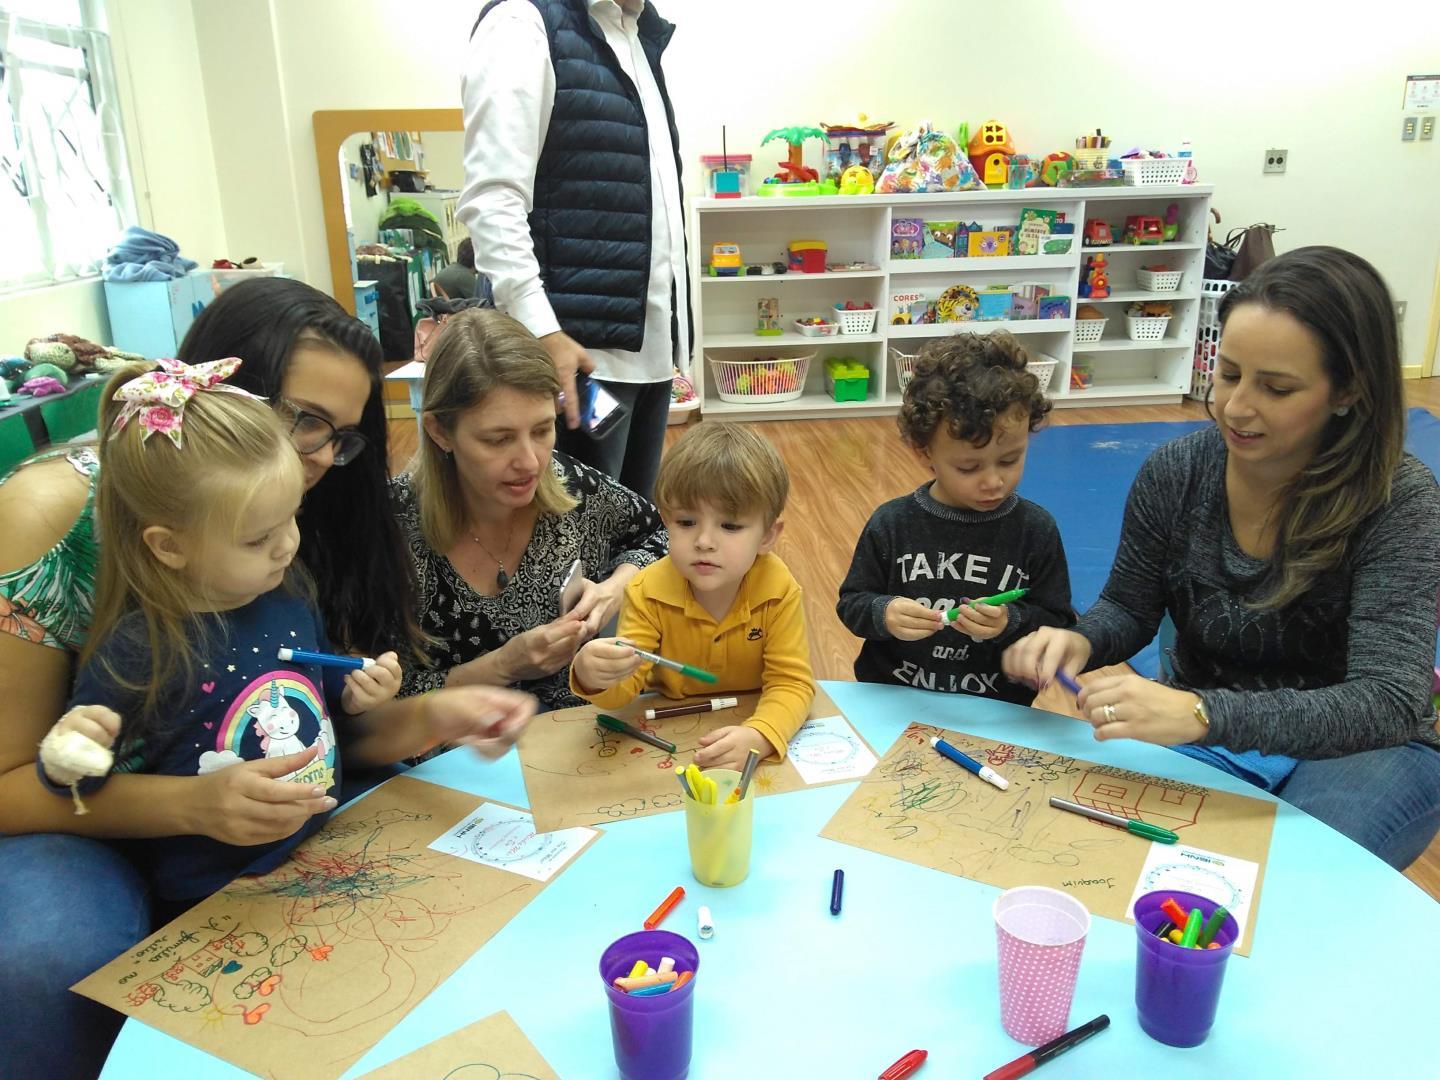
1343	944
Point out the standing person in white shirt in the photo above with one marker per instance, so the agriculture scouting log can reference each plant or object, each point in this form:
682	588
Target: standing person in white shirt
572	197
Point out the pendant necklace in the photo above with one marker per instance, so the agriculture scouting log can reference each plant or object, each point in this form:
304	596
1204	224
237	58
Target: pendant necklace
502	579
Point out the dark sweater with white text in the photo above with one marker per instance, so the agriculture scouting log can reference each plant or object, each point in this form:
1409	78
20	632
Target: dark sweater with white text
919	548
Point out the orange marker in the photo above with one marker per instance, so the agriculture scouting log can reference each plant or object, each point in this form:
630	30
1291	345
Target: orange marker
1176	914
666	906
685	976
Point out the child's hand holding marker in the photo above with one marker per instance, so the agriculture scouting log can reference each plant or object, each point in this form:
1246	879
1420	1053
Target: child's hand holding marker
979	621
602	663
910	620
371	686
729	747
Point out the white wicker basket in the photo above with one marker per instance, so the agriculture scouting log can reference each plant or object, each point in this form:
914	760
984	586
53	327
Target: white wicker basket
1170	170
1146	327
1158	280
1207	336
856	321
1042	367
758	381
904	367
1089	331
826	329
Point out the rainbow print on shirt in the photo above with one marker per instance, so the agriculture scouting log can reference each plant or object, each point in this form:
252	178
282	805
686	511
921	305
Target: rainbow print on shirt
276	714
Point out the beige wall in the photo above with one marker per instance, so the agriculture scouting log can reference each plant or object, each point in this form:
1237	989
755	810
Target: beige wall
1234	78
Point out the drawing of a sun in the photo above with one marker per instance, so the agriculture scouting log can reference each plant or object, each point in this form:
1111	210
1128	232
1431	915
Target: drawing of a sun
764	781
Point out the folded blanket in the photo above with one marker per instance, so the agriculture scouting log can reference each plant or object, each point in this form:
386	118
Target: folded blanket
142	255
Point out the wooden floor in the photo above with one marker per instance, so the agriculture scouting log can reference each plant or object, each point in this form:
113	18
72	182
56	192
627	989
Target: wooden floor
840	470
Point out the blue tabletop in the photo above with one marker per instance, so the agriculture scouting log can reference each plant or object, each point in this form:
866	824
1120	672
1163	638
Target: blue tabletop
788	991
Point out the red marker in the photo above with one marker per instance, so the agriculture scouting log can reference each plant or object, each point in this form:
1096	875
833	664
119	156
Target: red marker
1055	1047
906	1065
1174	912
666	906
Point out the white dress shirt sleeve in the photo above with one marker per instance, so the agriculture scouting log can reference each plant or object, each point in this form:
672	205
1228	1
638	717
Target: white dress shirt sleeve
508	89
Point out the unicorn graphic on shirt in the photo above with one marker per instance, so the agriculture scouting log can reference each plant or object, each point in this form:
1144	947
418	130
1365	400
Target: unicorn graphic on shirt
277	724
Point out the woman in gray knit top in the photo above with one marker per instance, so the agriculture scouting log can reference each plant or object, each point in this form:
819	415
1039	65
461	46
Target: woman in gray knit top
1294	546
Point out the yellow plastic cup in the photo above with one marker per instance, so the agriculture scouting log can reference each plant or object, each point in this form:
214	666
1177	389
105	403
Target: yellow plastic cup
720	833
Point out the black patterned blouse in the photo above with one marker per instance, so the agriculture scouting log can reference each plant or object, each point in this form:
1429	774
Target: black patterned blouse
612	525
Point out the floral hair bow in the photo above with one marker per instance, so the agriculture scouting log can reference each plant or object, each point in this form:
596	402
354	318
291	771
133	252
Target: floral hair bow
158	398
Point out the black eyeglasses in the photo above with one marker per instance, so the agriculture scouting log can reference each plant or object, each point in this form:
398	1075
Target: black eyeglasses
311	433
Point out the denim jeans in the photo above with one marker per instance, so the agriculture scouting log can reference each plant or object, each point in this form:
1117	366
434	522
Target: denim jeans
1387	801
71	905
629	451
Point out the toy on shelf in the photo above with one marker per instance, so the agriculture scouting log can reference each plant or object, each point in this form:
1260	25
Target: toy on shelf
851	267
856	318
1095	281
807	256
926	160
1171	228
763	379
1143	229
1022	171
846	379
855	146
767	319
1054	167
683	399
1147	321
725	261
765	269
990	149
726	176
817	326
1081	376
958	303
1092	152
793	170
1097	233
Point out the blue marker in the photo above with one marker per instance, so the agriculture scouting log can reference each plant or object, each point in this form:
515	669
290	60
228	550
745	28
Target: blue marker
324	659
989	775
1067	682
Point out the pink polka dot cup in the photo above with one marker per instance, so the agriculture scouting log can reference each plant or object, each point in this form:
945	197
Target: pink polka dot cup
1041	934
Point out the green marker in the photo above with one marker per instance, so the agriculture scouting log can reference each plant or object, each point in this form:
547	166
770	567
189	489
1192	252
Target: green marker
992	601
620	727
1138	828
1212	926
673	665
1192	929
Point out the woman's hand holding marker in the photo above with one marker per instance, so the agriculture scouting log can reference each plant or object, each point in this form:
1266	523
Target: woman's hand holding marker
1033	660
910	620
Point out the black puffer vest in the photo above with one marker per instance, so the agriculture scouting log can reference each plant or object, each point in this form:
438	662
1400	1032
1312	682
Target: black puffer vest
592	216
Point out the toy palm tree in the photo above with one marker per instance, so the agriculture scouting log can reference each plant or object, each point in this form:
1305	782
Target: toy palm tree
793	169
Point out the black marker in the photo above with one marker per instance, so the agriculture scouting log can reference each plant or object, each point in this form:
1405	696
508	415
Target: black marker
836	888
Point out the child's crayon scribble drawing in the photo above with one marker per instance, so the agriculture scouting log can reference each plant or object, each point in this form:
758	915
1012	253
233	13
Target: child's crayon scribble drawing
298	971
918	806
578	773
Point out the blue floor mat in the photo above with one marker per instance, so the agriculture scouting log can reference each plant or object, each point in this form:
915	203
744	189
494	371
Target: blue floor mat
1081	473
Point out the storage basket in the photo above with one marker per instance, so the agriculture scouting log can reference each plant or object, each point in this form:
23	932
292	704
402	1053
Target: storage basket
856	321
1042	367
1091	159
825	329
904	367
1146	327
1089	331
1170	170
1159	280
780	378
1207	336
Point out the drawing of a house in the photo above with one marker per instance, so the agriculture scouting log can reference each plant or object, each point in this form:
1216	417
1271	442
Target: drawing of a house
1138	799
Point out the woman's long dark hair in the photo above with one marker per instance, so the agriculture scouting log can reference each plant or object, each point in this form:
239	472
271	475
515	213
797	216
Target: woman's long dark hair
350	540
1342	300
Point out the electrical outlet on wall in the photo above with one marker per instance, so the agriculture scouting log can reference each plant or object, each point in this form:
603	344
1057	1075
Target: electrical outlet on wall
1427	128
1275	160
1399	311
1407	129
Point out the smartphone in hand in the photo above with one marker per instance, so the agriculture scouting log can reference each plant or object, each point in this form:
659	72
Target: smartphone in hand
599	409
572	586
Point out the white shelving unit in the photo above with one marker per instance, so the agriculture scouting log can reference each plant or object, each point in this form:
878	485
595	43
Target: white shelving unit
857	229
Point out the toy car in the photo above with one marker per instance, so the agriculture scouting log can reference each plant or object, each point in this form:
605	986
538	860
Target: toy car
725	260
1097	233
1142	229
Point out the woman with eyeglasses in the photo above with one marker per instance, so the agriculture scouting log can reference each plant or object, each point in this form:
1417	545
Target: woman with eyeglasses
320	369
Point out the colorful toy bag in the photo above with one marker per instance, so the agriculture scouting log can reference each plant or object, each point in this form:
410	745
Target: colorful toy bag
927	160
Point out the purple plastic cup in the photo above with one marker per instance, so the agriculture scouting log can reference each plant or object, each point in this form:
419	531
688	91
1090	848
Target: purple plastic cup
1177	990
651	1034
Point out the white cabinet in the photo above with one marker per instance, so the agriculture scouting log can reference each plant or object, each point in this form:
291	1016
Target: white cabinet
857	229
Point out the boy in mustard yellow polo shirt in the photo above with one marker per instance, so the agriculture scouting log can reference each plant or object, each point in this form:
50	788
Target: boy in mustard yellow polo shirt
720	600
